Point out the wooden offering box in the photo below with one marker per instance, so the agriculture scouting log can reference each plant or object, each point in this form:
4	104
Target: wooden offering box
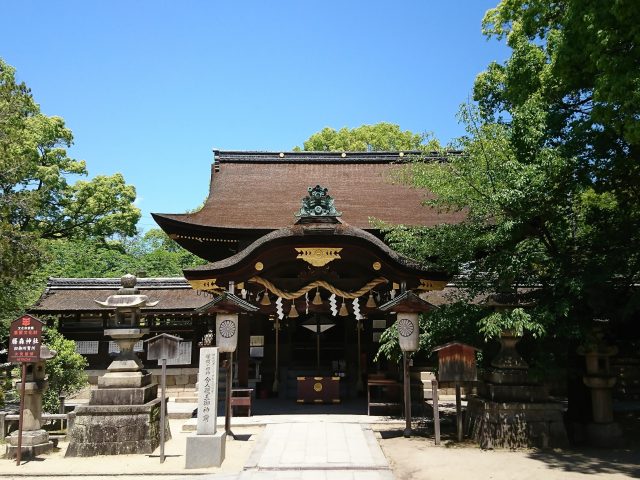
318	389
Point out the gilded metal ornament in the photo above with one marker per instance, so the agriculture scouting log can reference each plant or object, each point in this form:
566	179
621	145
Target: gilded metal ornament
318	256
428	285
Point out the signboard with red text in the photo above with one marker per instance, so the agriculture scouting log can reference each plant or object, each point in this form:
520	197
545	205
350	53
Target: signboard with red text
25	337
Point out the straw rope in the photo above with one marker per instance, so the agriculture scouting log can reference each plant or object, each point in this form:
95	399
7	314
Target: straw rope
318	283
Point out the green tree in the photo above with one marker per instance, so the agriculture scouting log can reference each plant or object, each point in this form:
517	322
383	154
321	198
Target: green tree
43	198
65	371
549	175
38	199
378	137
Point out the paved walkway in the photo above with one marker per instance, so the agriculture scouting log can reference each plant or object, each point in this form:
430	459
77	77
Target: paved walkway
317	450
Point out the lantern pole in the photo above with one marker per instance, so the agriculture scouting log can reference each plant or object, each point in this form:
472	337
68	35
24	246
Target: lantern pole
407	396
227	406
407	307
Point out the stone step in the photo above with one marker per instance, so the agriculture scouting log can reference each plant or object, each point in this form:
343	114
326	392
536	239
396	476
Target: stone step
193	399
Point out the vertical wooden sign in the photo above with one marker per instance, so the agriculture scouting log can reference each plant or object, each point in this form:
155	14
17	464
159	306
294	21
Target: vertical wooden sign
25	339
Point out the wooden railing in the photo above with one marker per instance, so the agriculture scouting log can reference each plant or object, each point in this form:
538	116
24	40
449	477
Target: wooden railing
65	419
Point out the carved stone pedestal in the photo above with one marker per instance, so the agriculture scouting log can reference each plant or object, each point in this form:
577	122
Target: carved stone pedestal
515	424
34	443
510	410
120	418
116	429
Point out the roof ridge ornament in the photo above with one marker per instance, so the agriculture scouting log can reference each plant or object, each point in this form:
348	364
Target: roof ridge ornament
318	204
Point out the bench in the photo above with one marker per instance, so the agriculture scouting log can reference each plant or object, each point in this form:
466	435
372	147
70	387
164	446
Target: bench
242	397
384	393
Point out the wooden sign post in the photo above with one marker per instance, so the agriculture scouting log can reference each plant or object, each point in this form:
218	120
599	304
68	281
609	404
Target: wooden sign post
25	339
457	363
163	347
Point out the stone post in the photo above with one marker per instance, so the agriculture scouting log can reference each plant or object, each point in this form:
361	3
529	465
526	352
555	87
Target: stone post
207	447
603	431
35	440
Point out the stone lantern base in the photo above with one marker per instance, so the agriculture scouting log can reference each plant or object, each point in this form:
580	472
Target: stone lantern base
34	443
116	429
496	424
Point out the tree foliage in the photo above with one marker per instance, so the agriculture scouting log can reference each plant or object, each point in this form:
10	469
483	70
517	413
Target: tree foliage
38	199
378	137
153	253
550	172
65	371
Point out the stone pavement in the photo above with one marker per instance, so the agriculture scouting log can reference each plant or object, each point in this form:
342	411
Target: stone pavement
317	450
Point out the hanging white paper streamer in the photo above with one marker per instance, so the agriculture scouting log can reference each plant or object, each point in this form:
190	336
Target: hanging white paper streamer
356	309
306	297
279	309
333	305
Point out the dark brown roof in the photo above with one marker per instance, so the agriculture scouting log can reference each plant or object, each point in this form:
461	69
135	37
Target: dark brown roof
263	190
78	294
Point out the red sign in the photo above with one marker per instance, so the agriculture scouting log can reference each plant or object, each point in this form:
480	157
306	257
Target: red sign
25	338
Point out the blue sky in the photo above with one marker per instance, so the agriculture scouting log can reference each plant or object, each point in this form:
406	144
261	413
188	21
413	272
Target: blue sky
150	87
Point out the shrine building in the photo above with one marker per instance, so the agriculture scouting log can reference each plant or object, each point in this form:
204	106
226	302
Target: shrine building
294	245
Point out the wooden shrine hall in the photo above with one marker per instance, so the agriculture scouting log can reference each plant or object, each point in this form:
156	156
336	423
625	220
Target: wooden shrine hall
293	237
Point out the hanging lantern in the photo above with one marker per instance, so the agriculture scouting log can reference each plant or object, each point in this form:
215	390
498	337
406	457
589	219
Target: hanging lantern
265	299
227	332
406	307
293	313
371	302
408	331
343	310
317	299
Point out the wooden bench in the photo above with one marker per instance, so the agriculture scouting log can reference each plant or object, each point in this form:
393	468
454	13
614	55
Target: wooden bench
242	397
384	393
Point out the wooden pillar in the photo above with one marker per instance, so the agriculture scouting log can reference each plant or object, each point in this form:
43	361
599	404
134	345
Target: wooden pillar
242	351
407	395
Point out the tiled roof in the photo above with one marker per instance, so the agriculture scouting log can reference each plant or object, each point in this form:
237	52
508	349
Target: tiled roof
78	294
263	190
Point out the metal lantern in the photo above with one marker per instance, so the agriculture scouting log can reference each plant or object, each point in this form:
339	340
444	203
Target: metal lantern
406	306
227	332
408	331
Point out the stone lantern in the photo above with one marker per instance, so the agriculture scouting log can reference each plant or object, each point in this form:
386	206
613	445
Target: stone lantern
406	307
125	329
123	414
603	431
511	410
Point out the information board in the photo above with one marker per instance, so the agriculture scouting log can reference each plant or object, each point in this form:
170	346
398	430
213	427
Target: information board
25	337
